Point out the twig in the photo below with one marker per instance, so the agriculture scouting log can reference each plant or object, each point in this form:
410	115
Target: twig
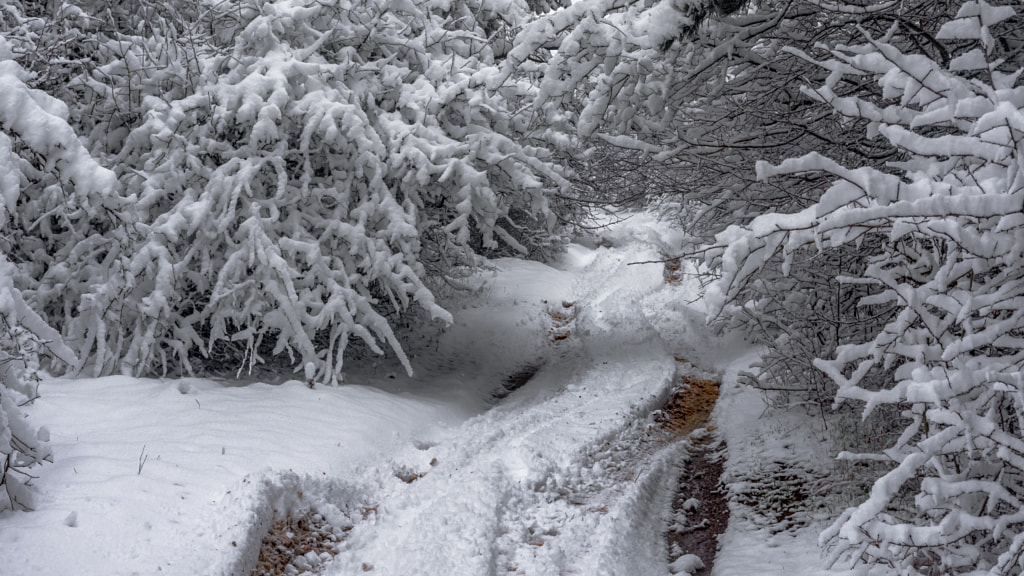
142	459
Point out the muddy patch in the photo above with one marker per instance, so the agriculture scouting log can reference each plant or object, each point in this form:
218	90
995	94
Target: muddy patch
700	507
690	404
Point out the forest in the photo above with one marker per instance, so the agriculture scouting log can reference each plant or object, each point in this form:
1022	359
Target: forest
210	187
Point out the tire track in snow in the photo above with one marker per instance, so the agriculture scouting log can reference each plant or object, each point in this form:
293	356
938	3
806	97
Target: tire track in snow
523	488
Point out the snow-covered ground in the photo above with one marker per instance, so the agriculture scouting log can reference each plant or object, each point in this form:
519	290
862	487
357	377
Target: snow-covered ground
442	474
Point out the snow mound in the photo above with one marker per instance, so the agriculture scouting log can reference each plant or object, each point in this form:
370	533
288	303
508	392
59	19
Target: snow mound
686	564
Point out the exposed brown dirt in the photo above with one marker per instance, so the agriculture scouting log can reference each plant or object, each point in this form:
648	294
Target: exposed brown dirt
673	272
689	406
700	507
563	317
306	543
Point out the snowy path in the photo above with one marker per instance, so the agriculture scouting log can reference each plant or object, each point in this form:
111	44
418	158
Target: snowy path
563	476
529	486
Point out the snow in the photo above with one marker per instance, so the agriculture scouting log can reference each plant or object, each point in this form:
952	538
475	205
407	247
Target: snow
754	439
686	564
432	474
41	122
972	19
143	467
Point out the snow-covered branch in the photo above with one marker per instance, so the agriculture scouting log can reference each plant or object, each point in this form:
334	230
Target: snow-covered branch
951	356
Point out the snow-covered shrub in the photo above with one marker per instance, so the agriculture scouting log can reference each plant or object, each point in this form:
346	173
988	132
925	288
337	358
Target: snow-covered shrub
128	51
67	227
44	171
941	231
24	337
290	167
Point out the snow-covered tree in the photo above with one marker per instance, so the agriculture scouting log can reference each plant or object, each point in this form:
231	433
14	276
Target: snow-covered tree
941	229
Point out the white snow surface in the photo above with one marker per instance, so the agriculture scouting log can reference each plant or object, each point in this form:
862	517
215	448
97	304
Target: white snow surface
184	477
